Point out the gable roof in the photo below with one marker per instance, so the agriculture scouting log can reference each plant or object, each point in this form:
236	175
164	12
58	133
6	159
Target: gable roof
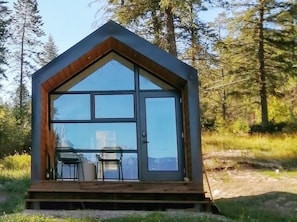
113	37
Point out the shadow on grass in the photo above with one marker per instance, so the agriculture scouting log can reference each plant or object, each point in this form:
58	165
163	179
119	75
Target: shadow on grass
272	207
12	193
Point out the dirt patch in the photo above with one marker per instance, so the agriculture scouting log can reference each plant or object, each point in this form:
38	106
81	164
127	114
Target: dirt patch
236	173
237	176
247	182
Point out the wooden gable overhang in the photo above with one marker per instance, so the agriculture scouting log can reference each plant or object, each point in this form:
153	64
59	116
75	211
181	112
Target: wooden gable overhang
108	38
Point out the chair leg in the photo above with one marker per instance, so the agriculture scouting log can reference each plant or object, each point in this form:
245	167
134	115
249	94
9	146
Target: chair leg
102	170
69	165
74	171
62	165
119	171
82	169
121	168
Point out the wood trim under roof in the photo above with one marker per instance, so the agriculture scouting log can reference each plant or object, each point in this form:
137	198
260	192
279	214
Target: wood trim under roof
111	44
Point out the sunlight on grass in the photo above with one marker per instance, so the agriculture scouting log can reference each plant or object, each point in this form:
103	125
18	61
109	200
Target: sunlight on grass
28	218
15	167
279	147
14	181
279	174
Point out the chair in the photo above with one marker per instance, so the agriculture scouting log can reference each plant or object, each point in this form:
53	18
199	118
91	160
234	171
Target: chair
68	156
110	158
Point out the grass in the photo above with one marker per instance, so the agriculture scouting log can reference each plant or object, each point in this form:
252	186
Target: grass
278	148
272	207
273	150
159	216
152	217
15	180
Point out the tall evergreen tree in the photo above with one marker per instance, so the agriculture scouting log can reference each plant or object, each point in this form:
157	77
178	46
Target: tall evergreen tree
26	27
4	21
252	51
50	51
163	22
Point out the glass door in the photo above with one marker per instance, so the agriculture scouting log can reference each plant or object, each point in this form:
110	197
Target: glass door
160	139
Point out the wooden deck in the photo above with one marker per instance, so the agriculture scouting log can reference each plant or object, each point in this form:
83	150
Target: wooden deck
116	195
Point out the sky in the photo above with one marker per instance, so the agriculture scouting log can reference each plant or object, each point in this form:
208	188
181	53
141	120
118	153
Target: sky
69	21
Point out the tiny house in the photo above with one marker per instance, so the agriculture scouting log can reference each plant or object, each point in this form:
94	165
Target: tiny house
115	125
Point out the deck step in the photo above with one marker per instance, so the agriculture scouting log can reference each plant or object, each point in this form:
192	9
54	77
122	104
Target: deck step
115	195
117	201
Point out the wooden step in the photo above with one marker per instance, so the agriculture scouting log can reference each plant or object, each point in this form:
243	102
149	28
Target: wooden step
115	195
153	187
74	204
117	201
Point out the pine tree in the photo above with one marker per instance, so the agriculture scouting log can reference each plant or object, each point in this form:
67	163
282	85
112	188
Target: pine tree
251	52
26	29
160	21
50	51
4	21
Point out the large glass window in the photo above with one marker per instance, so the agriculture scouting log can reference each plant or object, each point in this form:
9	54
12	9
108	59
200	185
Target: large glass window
96	135
114	106
147	81
70	107
112	72
102	106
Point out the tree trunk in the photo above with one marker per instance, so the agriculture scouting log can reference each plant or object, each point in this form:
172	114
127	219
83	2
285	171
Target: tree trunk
262	74
170	31
224	98
22	71
157	28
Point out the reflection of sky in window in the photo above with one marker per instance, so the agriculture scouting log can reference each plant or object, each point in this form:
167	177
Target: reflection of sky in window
111	76
161	127
147	84
72	107
114	106
95	135
147	81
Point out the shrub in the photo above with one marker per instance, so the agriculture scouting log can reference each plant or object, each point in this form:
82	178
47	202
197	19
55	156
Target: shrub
16	162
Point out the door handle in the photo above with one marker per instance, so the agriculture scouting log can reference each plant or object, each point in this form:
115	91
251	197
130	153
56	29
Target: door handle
145	141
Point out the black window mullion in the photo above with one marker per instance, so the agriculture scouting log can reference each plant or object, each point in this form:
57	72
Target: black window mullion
92	98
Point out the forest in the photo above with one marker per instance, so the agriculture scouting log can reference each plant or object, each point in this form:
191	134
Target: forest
246	59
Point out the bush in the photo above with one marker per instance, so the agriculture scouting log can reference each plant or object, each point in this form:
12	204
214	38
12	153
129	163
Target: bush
16	162
271	128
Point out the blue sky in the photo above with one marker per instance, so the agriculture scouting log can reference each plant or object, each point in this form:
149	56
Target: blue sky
68	21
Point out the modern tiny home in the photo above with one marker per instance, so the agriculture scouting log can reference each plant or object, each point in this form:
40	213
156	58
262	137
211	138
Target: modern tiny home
115	114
